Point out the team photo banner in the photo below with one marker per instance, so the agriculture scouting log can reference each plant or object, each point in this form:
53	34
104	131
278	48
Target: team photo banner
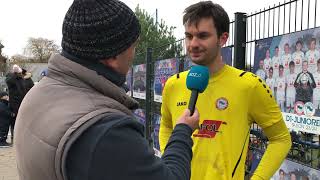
290	66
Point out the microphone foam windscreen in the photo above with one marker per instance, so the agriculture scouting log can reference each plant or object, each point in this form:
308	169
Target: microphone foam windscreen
198	78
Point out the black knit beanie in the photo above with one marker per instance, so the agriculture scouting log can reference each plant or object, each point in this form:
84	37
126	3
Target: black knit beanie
99	29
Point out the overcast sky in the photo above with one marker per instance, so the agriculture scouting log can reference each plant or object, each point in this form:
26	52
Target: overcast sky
21	19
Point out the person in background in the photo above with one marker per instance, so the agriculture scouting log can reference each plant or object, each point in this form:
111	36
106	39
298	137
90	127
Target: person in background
304	84
270	81
286	58
316	92
5	119
260	72
280	89
282	174
267	61
28	82
43	73
312	55
17	91
276	62
290	89
293	176
298	57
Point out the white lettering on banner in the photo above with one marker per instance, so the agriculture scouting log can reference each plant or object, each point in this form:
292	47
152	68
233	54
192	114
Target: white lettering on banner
195	75
139	95
302	123
158	98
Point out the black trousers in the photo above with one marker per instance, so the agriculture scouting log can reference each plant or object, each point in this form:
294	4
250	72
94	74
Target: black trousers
4	128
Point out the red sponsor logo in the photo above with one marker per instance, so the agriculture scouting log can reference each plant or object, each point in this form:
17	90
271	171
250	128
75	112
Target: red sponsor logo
209	128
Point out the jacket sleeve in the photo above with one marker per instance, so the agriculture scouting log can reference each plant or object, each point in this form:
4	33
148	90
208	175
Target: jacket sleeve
10	79
123	153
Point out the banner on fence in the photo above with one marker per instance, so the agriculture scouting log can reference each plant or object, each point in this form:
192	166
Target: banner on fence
293	170
290	66
140	115
129	82
139	81
155	133
163	70
309	124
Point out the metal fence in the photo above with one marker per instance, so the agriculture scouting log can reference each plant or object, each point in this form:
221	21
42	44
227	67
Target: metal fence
277	20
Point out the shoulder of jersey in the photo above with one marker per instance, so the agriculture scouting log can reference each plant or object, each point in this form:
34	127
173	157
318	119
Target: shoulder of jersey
245	77
179	78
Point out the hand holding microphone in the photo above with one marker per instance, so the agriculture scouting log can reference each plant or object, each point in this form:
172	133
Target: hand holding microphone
191	121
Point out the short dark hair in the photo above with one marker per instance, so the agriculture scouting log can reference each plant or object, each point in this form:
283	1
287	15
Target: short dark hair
280	67
318	62
291	63
207	9
313	39
270	69
299	42
281	170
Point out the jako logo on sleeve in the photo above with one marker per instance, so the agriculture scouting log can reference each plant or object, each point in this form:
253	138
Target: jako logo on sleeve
209	128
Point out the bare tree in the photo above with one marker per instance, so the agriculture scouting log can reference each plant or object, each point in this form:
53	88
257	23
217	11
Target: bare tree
40	49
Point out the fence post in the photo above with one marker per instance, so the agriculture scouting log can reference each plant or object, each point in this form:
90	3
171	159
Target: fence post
240	40
149	100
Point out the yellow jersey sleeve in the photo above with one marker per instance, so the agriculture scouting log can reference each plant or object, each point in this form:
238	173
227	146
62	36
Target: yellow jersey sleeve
166	125
263	108
278	148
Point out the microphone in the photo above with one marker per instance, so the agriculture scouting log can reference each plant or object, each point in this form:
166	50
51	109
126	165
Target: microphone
197	82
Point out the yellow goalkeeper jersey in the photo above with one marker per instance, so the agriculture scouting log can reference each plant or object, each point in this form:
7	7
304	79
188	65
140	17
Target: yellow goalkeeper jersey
233	100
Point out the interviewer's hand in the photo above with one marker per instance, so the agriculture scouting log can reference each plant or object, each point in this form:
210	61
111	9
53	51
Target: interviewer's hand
191	121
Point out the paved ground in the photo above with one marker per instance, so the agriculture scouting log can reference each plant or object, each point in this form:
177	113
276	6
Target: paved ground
8	169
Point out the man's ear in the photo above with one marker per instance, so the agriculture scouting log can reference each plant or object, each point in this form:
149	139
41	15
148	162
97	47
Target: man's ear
109	61
224	38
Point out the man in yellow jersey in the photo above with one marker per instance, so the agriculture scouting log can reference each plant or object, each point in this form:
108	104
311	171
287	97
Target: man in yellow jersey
233	100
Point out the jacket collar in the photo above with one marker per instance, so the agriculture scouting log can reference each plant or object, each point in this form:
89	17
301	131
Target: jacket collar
75	74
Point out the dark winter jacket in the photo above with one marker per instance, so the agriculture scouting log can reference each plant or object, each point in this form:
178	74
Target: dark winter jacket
28	82
17	91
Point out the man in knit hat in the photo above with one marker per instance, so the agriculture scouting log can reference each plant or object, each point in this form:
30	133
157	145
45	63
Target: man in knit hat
77	122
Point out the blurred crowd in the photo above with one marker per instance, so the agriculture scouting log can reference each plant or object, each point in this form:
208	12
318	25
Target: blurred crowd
19	82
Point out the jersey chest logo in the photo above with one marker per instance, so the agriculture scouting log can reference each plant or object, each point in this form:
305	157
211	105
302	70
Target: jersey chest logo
222	103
